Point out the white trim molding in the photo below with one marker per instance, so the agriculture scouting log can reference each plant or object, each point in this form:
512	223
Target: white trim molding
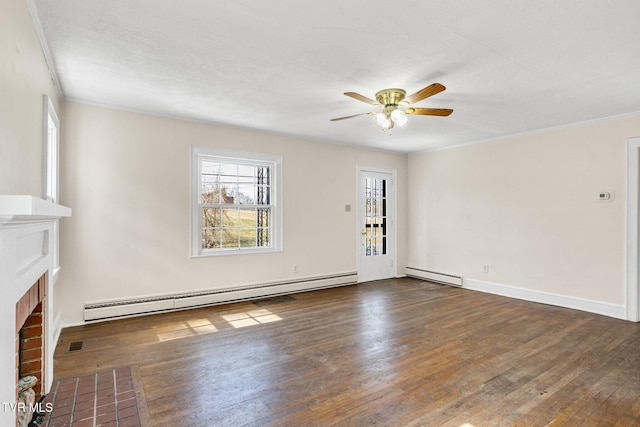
110	309
598	307
632	302
433	276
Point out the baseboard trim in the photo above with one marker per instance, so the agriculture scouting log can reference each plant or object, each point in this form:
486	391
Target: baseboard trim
57	328
606	309
433	276
111	309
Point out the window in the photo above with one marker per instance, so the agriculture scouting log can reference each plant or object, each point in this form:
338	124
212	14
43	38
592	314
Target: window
50	137
50	171
235	202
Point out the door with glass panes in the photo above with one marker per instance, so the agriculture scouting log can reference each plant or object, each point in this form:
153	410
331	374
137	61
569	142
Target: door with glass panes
376	239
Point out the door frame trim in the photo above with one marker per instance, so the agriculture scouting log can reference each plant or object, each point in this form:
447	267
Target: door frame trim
393	245
632	300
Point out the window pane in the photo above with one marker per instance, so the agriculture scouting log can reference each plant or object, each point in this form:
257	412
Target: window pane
263	238
248	218
263	195
247	237
209	193
380	246
263	218
229	238
209	182
228	193
368	246
228	171
229	217
246	194
211	217
263	175
246	173
211	239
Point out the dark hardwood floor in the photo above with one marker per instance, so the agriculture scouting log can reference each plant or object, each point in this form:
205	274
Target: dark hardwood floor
398	352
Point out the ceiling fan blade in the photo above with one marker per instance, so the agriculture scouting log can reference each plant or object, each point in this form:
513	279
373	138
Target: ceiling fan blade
349	117
426	92
361	98
429	111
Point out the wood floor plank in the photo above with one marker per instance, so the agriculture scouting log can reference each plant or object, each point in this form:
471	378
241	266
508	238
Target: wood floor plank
399	352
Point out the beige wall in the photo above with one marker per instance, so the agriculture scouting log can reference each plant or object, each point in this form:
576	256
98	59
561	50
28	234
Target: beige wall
127	178
24	79
525	207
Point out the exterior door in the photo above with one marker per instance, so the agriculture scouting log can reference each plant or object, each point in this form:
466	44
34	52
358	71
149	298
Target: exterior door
376	226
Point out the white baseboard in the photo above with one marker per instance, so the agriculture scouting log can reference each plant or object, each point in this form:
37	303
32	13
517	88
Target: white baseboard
433	276
105	310
598	307
57	329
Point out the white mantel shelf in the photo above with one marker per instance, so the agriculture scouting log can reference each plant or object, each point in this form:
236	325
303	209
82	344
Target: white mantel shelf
21	209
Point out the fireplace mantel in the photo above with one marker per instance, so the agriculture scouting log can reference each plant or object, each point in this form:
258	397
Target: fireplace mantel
25	209
28	249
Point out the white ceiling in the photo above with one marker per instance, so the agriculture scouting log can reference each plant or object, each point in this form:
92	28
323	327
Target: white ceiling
510	66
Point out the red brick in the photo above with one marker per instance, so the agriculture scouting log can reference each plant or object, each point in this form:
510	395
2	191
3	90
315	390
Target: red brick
129	422
87	404
31	332
82	414
34	319
106	409
124	404
33	354
29	368
106	418
128	412
32	343
84	423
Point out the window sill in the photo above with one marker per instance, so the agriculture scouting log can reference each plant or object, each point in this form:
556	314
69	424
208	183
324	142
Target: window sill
228	252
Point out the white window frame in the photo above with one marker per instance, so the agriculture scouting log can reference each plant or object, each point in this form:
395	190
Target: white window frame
275	163
50	151
51	171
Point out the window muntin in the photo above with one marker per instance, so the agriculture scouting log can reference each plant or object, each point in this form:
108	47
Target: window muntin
237	209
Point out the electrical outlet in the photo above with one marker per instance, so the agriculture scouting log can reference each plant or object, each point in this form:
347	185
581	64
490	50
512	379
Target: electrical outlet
485	268
295	268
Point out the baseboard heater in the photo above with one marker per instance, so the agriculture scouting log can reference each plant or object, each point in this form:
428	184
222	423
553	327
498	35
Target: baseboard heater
103	310
433	276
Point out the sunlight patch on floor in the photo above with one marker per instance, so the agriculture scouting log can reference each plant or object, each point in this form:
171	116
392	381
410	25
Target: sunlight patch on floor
195	327
249	318
187	329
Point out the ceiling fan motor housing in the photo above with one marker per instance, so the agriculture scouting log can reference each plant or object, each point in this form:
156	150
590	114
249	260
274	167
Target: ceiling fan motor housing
390	97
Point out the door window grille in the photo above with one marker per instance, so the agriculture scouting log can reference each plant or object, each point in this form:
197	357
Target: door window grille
375	216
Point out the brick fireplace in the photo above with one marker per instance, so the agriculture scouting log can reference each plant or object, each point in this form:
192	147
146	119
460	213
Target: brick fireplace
30	334
28	271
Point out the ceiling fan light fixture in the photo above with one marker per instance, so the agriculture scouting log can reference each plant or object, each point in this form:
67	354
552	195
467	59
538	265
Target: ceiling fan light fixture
387	124
380	118
399	117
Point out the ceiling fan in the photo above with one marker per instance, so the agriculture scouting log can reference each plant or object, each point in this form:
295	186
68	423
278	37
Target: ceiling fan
393	102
